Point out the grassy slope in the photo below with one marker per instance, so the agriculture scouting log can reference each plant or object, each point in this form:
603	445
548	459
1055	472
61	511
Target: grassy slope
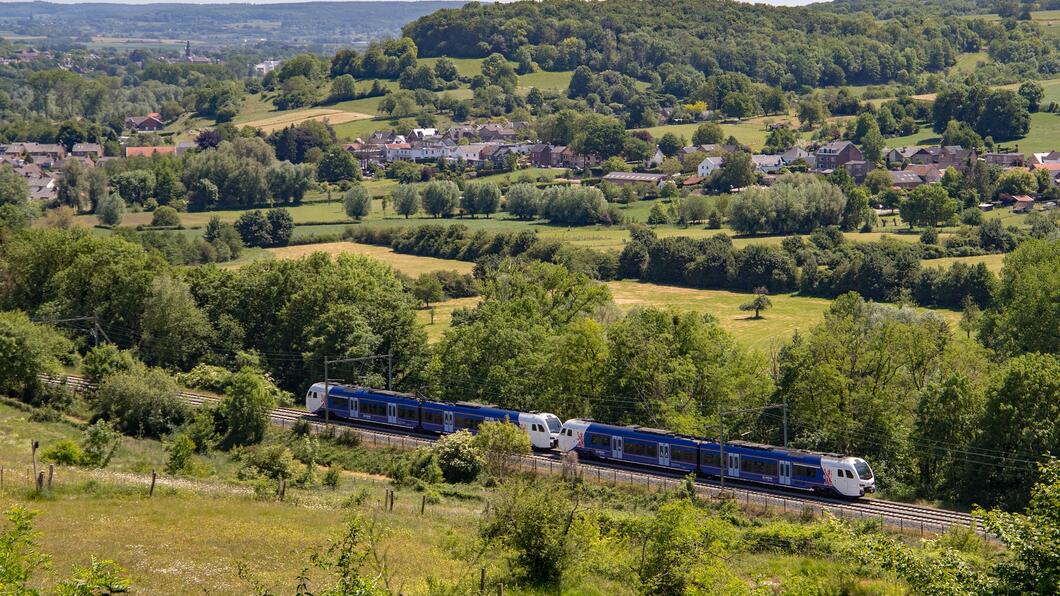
195	533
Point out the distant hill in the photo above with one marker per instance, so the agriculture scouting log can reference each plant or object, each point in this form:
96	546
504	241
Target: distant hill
323	23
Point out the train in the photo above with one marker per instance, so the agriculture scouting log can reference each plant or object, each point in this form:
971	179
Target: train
649	448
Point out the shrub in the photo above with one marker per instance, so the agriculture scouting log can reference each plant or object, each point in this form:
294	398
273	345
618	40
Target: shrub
165	217
421	464
142	403
458	458
274	461
99	443
332	476
501	444
64	453
105	360
246	408
180	450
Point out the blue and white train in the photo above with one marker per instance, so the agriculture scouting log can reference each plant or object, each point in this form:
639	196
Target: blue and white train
750	462
632	445
409	411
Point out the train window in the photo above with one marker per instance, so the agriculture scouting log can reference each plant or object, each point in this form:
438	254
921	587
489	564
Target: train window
682	454
600	441
373	408
407	413
864	472
641	449
338	403
432	417
467	422
712	459
758	466
803	472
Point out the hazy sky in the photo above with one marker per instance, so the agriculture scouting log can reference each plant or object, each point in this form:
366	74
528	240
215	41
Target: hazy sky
782	2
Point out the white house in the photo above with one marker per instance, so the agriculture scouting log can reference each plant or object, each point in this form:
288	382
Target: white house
709	165
264	68
768	164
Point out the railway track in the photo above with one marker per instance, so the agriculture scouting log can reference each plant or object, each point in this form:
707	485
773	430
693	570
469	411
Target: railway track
904	516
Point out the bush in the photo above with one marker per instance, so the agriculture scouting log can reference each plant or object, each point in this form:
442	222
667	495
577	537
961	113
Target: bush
246	408
165	217
64	453
180	450
458	458
421	464
105	360
501	444
99	443
274	461
332	476
142	403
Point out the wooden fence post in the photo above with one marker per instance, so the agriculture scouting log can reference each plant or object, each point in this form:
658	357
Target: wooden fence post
34	444
51	473
151	491
482	580
423	504
1	479
40	481
500	589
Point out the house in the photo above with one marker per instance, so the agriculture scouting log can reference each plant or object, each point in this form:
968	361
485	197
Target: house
692	181
149	151
495	132
928	173
1023	204
559	156
944	157
795	154
1052	167
902	154
1005	160
263	68
422	134
905	179
837	153
92	150
471	153
147	123
655	160
709	165
1043	158
541	155
624	178
768	164
858	169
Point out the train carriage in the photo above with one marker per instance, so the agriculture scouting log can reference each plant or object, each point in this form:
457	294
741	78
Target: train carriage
637	445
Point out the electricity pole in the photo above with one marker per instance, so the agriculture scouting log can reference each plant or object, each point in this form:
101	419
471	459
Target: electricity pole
327	379
721	430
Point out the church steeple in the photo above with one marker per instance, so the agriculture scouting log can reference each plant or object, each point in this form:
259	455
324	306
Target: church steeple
187	50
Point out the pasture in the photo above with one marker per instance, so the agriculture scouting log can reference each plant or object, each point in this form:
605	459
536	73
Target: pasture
288	118
412	265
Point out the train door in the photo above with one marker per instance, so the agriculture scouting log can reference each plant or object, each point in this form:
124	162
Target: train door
447	422
355	408
616	447
734	465
784	472
664	454
391	413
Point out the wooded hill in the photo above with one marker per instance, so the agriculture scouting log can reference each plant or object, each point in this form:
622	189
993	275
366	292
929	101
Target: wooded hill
788	47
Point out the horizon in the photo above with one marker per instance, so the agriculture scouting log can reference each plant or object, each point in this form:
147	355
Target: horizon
266	2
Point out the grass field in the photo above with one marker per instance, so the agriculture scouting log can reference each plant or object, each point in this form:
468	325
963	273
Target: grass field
409	264
789	312
287	118
993	262
751	132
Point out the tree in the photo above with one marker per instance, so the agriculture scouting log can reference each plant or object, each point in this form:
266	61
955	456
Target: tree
670	144
135	186
105	360
445	69
357	202
780	140
1032	93
281	226
288	182
524	200
498	71
599	135
927	205
1024	317
878	180
254	229
501	443
337	165
406	199
72	186
1031	539
708	133
812	112
440	197
13	188
482	197
142	402
760	302
1022	408
428	289
614	164
246	407
873	144
110	209
343	88
737	171
175	330
1017	182
28	350
165	216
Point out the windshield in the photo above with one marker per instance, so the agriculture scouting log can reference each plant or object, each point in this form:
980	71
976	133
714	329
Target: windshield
553	423
863	469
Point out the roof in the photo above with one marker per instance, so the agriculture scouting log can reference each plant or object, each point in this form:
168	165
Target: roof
693	180
87	147
634	177
905	177
1050	166
149	151
1022	199
834	147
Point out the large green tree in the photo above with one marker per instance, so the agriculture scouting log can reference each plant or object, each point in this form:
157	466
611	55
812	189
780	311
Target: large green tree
1026	312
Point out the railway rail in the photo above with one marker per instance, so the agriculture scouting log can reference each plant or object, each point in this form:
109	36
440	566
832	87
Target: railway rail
905	517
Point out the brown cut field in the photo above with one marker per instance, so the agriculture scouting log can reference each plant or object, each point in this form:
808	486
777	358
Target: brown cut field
408	264
322	114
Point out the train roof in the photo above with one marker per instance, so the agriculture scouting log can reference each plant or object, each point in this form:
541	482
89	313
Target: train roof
645	430
360	388
792	450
